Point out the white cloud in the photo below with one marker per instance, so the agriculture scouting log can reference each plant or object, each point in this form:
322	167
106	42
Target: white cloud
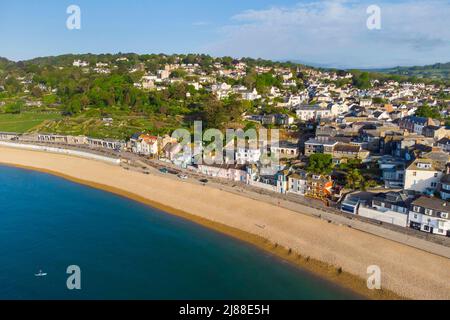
335	33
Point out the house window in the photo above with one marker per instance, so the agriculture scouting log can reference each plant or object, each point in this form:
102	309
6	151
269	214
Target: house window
433	184
415	216
414	174
444	215
428	212
436	175
416	209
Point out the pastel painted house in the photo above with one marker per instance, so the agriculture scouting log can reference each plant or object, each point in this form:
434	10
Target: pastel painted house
144	144
310	185
225	171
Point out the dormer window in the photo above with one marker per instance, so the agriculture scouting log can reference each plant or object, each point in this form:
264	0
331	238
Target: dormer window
416	209
422	165
428	212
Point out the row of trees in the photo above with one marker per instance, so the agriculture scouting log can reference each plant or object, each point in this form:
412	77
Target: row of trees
354	178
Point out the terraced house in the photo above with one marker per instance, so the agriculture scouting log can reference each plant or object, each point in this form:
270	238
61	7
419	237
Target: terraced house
310	185
144	144
430	215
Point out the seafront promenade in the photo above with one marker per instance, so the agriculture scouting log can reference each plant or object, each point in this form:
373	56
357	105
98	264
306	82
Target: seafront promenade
311	207
67	151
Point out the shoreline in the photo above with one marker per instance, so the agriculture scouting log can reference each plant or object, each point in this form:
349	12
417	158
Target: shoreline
334	273
318	268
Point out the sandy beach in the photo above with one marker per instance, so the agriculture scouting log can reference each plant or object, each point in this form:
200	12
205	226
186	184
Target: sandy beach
336	252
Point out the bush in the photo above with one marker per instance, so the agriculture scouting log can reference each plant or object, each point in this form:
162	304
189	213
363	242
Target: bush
14	108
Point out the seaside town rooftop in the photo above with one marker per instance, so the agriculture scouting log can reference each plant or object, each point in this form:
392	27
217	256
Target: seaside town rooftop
339	132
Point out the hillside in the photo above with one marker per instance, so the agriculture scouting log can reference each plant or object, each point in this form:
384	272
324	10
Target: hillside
117	95
435	71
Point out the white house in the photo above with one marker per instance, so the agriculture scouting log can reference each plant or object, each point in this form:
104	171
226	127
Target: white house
251	95
225	171
297	183
247	155
365	102
221	90
430	215
391	207
422	175
307	113
444	144
79	63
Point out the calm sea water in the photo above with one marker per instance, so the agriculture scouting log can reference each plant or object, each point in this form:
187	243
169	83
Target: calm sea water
127	250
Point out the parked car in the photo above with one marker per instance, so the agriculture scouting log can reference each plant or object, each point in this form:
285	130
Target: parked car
204	180
163	170
182	176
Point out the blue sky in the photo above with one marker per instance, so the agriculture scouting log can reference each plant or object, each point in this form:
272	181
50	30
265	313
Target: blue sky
332	32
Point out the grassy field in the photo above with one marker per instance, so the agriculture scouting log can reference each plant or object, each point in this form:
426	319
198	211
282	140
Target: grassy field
122	127
23	122
89	123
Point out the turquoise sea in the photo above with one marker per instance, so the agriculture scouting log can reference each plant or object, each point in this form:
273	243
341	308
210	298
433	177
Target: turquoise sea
127	250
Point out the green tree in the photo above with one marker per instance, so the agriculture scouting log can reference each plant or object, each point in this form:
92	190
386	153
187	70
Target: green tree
361	80
355	180
265	81
178	73
234	109
379	100
350	164
214	113
320	163
428	112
